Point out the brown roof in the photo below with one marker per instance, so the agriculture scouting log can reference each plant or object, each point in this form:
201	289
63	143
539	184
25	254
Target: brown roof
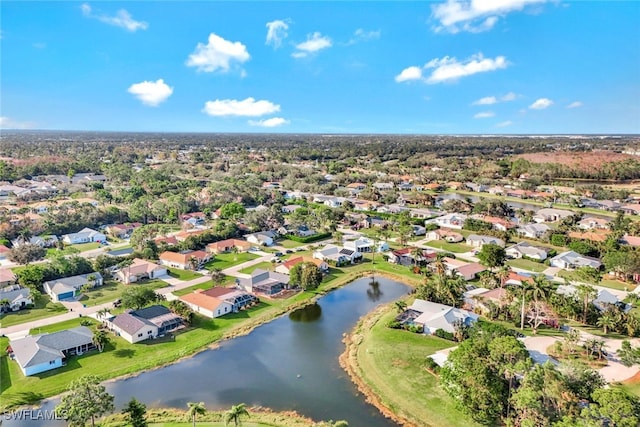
169	240
228	243
293	261
4	249
594	236
183	258
7	275
497	294
473	268
202	300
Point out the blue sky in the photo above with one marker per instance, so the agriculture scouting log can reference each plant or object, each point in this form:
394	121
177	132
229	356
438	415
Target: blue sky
446	67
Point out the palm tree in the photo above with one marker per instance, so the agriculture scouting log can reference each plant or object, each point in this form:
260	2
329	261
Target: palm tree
100	339
102	313
196	409
587	293
416	253
539	291
606	321
235	413
503	274
401	306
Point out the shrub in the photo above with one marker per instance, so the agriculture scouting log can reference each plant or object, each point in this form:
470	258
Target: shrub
417	329
308	239
441	333
394	324
432	365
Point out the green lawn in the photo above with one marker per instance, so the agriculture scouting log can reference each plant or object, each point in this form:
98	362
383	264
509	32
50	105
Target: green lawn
607	283
112	290
456	248
526	264
392	363
289	244
183	274
72	249
43	308
226	260
263	265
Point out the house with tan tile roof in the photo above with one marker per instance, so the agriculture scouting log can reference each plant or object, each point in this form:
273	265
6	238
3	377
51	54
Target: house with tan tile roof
188	260
140	270
227	246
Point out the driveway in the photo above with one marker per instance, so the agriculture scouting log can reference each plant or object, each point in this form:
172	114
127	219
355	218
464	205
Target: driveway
537	348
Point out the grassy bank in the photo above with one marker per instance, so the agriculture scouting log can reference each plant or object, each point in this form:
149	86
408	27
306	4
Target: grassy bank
121	358
388	366
257	417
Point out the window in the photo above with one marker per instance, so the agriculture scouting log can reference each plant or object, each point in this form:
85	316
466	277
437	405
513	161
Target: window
52	362
139	335
149	332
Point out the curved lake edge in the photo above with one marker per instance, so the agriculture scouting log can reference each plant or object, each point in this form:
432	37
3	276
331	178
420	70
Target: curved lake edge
241	329
349	363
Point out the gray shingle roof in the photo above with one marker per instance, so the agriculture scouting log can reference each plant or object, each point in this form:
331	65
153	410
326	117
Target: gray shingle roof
36	349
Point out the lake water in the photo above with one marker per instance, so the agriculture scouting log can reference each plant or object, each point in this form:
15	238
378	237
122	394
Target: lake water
290	363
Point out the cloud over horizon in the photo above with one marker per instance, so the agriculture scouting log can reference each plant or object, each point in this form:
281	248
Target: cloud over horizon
248	107
269	123
151	93
217	54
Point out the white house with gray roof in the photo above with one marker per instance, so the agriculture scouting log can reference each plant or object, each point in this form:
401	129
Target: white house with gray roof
15	297
40	353
526	249
533	231
145	323
570	260
69	287
433	316
86	235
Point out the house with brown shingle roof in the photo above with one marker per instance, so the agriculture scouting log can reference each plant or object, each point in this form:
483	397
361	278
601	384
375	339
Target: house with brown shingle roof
188	260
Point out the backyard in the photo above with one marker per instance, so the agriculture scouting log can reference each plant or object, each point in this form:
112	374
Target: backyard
226	260
183	274
525	264
456	248
112	290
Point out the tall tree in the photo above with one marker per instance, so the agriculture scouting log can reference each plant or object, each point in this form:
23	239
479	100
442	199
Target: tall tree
100	339
586	293
86	400
136	413
492	255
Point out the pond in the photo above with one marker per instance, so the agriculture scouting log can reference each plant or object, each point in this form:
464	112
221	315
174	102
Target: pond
290	363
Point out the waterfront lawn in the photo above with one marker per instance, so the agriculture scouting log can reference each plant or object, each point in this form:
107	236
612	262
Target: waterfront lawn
525	264
456	248
183	274
226	260
122	358
392	363
43	307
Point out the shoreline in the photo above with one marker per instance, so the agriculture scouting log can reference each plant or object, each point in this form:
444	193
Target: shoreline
240	330
349	363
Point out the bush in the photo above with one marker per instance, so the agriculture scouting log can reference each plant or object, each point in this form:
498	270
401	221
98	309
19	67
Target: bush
441	333
394	324
432	365
416	329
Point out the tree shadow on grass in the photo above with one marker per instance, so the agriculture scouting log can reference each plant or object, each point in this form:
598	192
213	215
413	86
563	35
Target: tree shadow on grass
124	353
20	398
4	374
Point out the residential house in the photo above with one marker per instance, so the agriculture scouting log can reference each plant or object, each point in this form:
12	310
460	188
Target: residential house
356	186
407	256
145	323
331	253
206	305
69	287
261	238
433	316
452	220
44	241
44	352
421	213
533	231
418	230
480	299
478	188
512	192
608	205
86	235
631	209
167	240
271	185
383	186
630	240
591	223
478	241
194	219
602	302
372	221
286	266
499	224
122	231
570	260
363	245
467	270
15	297
188	260
446	235
183	235
526	250
7	277
595	235
238	299
334	202
264	282
288	209
140	270
228	246
551	215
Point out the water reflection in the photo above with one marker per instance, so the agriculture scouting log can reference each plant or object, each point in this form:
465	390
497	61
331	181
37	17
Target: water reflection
309	313
373	291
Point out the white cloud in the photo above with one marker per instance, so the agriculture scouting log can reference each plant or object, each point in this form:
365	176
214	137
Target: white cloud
122	19
484	115
504	124
8	123
361	35
217	54
151	93
247	107
575	104
410	73
474	15
315	42
511	96
276	32
450	69
487	100
269	123
541	104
